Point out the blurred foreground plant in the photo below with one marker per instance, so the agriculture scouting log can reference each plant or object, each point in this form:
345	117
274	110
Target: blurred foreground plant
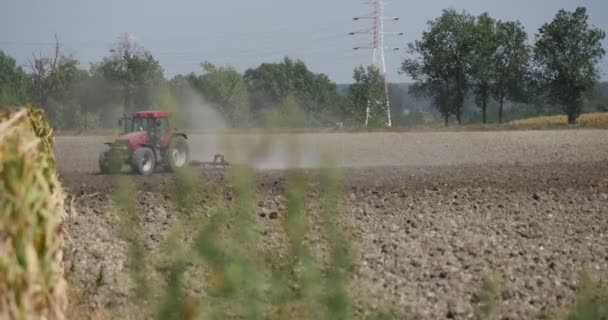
488	298
31	220
217	235
592	300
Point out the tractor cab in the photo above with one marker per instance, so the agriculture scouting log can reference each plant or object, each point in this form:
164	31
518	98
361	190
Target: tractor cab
145	127
147	142
145	121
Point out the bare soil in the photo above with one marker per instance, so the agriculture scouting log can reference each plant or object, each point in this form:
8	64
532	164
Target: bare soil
430	214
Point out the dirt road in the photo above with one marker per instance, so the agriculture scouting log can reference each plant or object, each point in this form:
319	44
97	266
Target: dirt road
431	214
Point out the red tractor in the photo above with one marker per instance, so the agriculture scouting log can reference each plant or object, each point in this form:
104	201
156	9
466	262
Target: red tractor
147	143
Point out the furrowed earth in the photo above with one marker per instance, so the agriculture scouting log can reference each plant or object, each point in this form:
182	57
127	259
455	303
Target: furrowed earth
429	214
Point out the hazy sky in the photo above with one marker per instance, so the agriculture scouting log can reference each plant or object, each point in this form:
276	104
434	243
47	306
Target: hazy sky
244	33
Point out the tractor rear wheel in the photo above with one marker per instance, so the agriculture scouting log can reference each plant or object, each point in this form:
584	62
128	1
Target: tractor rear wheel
144	161
178	153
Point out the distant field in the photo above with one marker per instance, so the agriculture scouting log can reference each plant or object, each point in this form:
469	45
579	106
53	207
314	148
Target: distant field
79	153
588	120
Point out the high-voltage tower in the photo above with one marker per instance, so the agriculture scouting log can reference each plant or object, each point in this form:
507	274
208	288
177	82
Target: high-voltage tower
377	46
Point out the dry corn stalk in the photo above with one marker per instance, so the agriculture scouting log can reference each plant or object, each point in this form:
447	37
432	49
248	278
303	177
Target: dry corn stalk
31	219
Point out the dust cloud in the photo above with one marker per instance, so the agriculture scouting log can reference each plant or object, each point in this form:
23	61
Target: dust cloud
260	151
200	118
209	134
197	114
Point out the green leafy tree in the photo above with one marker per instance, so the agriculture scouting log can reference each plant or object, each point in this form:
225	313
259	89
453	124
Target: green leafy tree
367	92
134	73
103	97
180	83
12	82
567	53
442	62
511	65
597	99
271	84
482	61
499	63
93	98
224	87
601	104
66	102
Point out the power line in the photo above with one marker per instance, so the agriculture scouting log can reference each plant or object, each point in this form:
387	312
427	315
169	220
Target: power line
206	36
300	41
321	40
259	49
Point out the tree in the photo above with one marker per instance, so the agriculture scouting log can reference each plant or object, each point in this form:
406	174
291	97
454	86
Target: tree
597	99
499	63
442	62
53	86
482	61
12	82
602	104
224	87
92	96
65	103
367	92
567	53
134	71
47	75
271	84
510	64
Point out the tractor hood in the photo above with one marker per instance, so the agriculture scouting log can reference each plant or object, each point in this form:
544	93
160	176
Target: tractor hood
135	139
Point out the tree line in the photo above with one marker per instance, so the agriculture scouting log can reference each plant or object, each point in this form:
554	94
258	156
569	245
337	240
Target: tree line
460	59
131	79
461	55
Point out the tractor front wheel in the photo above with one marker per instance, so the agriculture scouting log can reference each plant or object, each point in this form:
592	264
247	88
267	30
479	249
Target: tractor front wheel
144	161
109	164
178	153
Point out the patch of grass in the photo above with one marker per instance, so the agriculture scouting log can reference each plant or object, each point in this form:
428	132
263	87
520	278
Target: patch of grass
100	278
587	120
487	299
591	302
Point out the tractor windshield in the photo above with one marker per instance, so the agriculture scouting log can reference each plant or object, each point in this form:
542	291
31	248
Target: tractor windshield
141	124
